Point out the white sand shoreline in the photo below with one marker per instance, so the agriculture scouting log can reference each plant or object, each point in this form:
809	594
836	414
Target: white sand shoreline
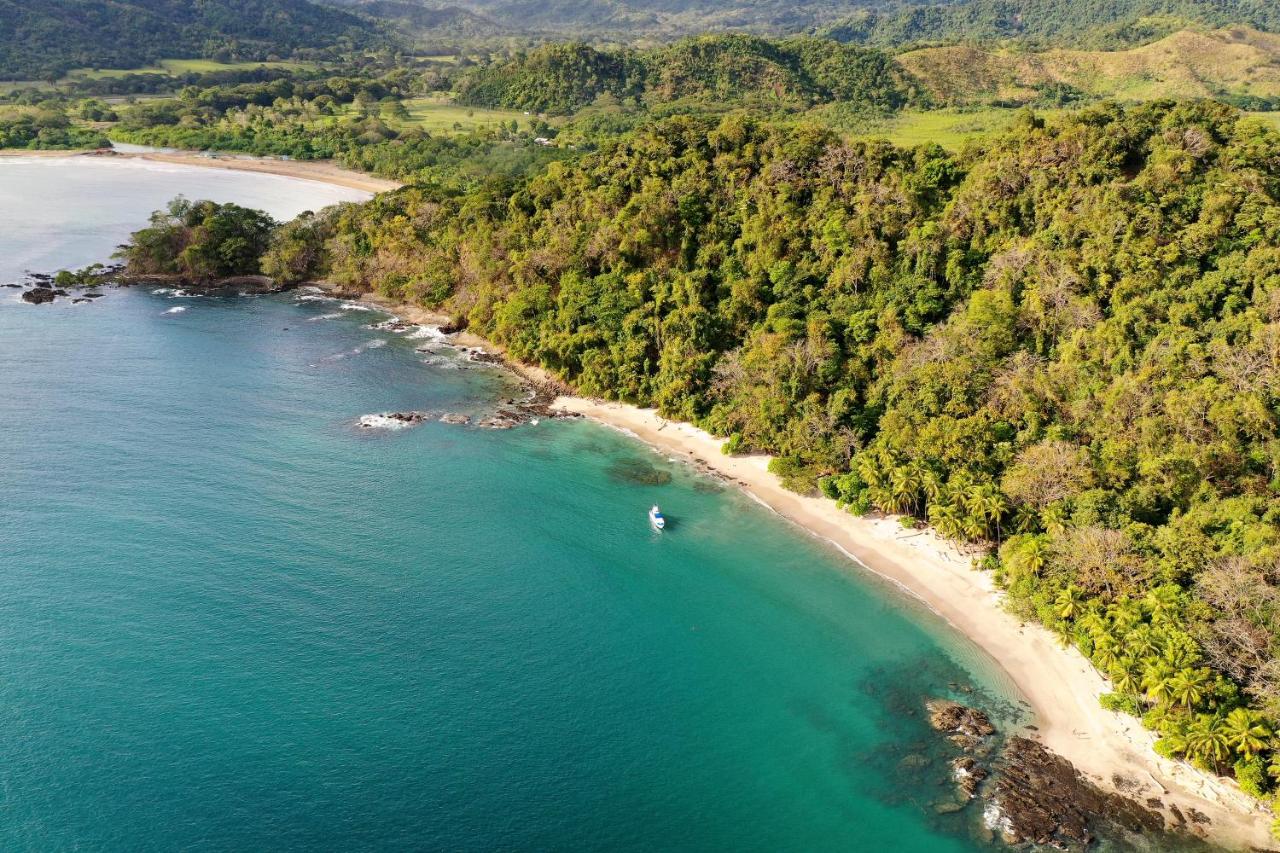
1062	687
322	171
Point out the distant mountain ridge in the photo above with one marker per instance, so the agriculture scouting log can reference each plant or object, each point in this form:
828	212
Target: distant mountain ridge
438	21
1092	24
46	38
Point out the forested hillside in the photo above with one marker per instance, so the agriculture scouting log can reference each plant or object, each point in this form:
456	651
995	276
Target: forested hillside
739	69
46	38
632	18
1091	24
1063	346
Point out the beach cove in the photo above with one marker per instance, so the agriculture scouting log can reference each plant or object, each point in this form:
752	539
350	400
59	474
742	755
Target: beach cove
924	568
233	619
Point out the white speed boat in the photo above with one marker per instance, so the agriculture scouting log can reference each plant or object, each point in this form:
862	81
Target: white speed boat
656	519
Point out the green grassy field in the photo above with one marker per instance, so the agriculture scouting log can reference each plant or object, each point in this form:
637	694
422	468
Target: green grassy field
441	116
948	128
181	66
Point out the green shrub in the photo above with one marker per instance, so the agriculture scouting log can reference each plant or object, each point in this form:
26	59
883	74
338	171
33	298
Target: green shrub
1252	776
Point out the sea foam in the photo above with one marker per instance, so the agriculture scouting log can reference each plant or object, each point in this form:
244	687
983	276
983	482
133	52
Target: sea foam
383	422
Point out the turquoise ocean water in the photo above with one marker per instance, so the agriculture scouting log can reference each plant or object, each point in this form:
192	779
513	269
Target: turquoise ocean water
232	620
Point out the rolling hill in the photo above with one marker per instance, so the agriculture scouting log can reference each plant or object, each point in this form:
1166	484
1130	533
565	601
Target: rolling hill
46	38
1087	24
1236	61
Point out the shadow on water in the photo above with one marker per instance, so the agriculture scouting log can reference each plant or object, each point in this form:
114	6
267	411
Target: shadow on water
707	486
637	472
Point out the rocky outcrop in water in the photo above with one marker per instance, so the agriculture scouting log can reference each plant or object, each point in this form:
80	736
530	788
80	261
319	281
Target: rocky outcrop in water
967	727
394	420
41	295
969	775
395	324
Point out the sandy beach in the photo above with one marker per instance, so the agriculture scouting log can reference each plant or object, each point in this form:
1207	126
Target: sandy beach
307	170
1062	686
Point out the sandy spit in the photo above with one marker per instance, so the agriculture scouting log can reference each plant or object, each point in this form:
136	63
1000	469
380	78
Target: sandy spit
324	171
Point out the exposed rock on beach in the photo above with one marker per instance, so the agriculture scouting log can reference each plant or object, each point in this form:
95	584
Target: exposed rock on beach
1032	795
1040	797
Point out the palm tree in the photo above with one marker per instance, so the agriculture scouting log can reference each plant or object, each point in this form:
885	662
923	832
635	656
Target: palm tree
1164	603
1157	681
1054	519
1176	741
1126	615
1207	740
930	484
1247	732
869	470
974	528
904	484
1070	602
1105	652
986	502
1143	642
1180	651
1189	687
1092	624
1025	519
1030	556
1124	678
946	520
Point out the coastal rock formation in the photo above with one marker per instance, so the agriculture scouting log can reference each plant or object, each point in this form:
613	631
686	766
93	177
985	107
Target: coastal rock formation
246	285
455	418
395	325
394	420
1040	797
242	284
1032	795
41	295
967	727
482	357
969	774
